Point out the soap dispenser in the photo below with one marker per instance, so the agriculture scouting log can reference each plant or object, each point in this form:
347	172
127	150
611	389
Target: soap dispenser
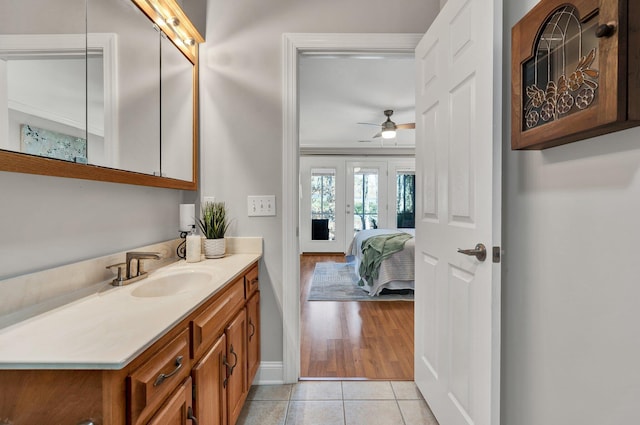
194	246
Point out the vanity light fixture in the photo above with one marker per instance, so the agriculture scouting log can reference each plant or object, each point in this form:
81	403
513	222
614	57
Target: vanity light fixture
174	23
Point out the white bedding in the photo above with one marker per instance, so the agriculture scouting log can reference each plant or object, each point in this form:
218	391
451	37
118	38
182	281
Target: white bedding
397	271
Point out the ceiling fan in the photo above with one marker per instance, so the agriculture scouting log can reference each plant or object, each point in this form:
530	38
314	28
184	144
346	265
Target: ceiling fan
389	128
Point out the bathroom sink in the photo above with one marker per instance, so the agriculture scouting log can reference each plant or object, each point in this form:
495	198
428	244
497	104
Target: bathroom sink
173	283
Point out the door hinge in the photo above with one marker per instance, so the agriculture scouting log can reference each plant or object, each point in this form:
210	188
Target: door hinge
496	254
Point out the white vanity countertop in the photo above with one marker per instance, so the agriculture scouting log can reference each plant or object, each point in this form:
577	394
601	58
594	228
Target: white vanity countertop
108	329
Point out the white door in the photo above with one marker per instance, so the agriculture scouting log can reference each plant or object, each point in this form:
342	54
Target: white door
322	188
457	297
366	202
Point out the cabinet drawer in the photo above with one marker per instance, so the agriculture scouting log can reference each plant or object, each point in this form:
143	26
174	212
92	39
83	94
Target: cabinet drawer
177	410
209	324
251	282
158	377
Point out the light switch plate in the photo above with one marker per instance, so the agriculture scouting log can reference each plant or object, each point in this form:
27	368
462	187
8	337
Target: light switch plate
261	206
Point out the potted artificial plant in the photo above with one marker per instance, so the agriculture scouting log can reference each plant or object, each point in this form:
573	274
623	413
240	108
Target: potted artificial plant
214	224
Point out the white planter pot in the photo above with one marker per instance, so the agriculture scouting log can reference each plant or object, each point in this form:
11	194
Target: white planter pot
214	248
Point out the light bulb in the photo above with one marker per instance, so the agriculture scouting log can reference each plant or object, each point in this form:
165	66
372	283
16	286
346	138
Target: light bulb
388	134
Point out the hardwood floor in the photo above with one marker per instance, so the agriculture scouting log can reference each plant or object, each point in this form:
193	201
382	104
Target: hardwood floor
366	339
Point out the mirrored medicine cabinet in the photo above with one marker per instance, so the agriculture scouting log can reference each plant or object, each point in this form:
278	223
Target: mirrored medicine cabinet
99	89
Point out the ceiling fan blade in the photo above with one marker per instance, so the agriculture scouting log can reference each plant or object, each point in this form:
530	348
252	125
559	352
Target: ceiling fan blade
407	126
377	135
368	123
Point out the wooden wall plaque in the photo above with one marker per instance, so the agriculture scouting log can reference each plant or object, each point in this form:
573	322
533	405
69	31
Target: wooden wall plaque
575	71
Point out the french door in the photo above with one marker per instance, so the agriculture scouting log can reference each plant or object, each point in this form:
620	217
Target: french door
341	196
366	202
322	218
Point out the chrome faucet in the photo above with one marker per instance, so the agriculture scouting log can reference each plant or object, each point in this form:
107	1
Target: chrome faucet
129	275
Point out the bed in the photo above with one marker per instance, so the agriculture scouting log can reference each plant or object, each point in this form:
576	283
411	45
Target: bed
396	272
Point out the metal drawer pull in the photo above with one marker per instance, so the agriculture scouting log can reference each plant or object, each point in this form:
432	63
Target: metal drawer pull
254	281
253	329
87	422
480	252
190	416
235	363
161	378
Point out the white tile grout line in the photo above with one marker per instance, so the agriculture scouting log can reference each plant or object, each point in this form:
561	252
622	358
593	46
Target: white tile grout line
286	411
344	407
404	422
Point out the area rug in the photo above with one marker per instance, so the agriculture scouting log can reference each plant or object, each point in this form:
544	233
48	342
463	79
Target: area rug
338	282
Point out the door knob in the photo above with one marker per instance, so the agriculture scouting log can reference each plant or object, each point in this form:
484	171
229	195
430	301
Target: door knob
480	252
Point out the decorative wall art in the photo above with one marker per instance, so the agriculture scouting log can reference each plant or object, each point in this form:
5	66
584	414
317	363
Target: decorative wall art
50	144
573	75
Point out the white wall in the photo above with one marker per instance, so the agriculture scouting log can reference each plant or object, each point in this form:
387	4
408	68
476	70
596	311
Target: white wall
241	112
570	312
51	221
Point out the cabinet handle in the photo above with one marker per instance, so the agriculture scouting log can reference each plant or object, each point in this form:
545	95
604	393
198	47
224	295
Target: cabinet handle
254	281
226	369
87	422
162	377
253	329
605	30
190	416
235	363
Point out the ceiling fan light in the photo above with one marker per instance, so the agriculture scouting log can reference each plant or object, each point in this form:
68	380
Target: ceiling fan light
388	134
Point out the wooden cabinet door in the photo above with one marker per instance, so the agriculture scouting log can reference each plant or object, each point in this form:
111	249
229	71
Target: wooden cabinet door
253	337
177	409
210	384
237	389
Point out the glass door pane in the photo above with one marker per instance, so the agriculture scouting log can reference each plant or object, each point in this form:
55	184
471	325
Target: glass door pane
323	204
365	198
405	199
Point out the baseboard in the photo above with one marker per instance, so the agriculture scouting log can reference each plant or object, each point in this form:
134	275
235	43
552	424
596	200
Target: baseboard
269	373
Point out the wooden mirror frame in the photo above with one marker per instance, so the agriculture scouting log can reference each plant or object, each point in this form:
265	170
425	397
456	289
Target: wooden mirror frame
158	11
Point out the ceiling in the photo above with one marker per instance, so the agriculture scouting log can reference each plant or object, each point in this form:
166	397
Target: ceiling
337	91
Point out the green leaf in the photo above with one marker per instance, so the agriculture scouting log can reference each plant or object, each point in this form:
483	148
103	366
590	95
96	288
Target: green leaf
214	222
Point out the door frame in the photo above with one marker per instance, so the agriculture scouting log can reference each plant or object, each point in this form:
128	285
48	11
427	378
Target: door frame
292	45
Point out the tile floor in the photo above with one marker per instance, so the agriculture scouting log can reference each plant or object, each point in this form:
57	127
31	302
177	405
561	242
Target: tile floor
337	403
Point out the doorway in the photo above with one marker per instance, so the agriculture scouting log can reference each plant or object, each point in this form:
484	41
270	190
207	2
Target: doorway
293	44
352	339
